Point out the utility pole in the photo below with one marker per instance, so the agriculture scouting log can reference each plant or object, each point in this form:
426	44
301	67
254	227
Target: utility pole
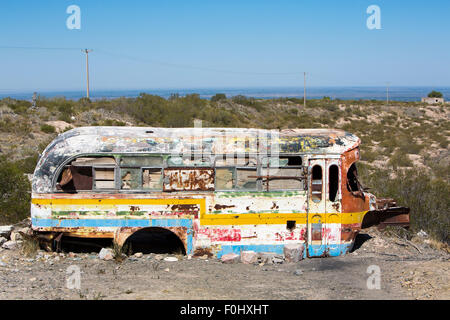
87	70
387	93
304	90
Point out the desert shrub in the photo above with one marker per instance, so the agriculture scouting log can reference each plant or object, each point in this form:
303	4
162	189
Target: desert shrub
369	155
28	164
399	159
14	193
48	128
426	196
249	102
19	128
218	97
435	94
113	122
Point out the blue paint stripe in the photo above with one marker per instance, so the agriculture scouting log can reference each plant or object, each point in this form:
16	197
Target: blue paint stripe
314	250
75	223
143	223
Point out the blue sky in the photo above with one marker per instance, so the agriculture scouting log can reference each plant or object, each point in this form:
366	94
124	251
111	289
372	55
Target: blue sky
193	44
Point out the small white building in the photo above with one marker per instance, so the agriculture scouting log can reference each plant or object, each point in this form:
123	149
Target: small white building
429	100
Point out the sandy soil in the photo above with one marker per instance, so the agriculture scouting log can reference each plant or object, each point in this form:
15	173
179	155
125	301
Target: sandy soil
405	273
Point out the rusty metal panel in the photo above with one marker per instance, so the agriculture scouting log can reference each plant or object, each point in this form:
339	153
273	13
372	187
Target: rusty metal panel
182	179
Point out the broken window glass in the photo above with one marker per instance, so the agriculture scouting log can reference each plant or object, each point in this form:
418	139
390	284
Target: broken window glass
78	175
353	184
130	178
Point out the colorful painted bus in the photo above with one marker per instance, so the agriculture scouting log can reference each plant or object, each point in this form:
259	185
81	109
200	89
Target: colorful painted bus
217	190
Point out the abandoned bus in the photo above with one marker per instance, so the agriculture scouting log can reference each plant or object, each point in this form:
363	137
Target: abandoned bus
216	190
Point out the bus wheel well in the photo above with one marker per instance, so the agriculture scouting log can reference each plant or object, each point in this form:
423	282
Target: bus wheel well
152	240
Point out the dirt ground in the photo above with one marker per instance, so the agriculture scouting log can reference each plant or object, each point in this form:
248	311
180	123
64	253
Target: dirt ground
407	271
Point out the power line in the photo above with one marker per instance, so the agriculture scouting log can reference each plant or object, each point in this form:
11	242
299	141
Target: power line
185	66
157	62
38	48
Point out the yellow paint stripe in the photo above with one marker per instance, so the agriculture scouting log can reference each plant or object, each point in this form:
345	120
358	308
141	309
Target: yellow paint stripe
211	219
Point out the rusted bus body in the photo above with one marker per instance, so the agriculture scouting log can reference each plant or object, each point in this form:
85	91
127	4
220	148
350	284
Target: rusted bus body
218	190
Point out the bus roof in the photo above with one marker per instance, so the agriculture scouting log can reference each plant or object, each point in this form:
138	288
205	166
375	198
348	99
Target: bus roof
95	140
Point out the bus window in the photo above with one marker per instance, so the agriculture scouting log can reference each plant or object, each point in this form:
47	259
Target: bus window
279	170
333	182
79	174
246	178
152	179
130	178
224	178
316	184
279	179
188	179
104	178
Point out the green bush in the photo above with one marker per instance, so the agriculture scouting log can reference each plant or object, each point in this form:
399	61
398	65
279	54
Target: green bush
48	128
426	196
218	97
399	159
14	193
435	94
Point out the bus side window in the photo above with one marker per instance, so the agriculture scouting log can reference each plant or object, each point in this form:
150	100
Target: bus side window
316	183
333	182
246	179
225	178
152	179
104	178
79	174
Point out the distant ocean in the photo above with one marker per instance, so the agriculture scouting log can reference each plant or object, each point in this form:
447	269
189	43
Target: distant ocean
344	93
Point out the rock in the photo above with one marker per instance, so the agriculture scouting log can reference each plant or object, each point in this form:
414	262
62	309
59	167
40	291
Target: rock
5	231
2	240
249	257
159	257
15	236
166	269
138	254
293	252
170	259
230	258
106	254
298	272
422	234
10	245
266	257
277	259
